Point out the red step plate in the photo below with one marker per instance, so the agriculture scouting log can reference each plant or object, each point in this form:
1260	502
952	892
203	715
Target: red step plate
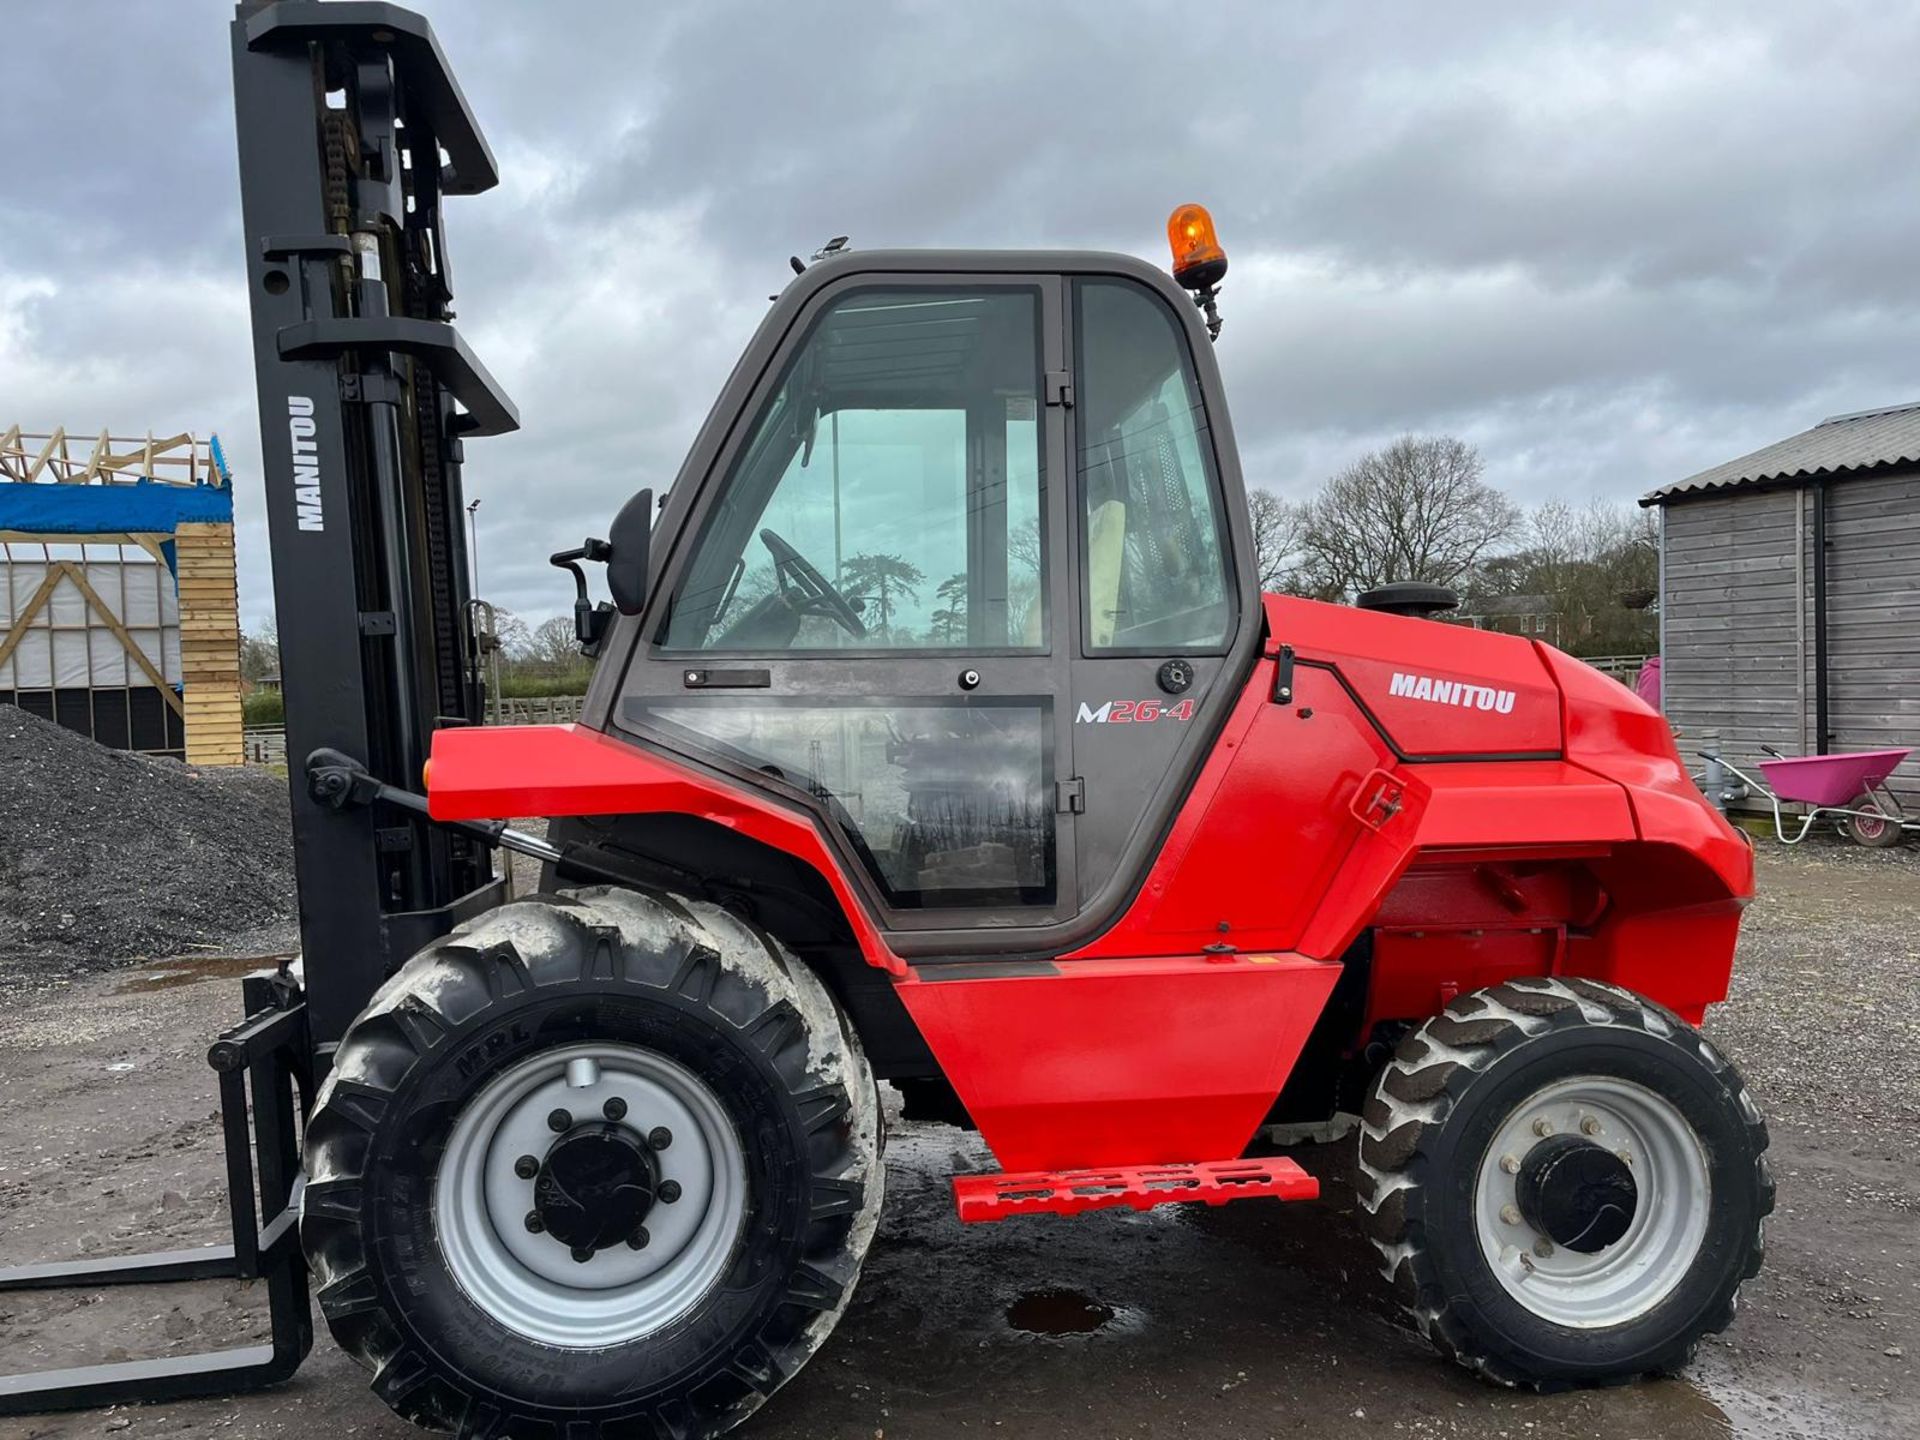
1140	1187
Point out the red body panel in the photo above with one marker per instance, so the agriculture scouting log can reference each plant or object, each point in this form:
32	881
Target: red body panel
1265	833
1122	1062
511	770
1452	691
1350	807
1674	900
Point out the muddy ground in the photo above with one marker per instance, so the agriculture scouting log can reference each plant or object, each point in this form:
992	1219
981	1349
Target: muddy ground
1259	1319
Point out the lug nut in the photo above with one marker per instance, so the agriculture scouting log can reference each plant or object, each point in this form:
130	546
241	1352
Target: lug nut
534	1223
581	1254
1543	1247
1543	1127
1510	1164
1589	1126
526	1167
614	1109
659	1137
1626	1157
559	1120
545	1187
669	1192
638	1240
1509	1215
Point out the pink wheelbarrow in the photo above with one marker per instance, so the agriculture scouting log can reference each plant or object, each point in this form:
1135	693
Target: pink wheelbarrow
1852	788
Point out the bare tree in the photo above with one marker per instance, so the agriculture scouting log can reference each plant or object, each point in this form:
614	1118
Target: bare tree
1596	569
1278	529
1417	510
552	645
512	631
260	652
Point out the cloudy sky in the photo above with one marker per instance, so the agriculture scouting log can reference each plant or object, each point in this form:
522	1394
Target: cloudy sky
1609	244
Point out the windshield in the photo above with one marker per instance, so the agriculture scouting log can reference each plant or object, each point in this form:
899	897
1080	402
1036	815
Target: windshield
889	497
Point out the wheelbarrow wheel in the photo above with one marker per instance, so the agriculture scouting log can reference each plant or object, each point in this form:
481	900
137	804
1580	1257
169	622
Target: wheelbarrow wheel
1878	831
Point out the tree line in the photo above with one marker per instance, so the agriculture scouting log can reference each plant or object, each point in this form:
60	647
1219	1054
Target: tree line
1421	509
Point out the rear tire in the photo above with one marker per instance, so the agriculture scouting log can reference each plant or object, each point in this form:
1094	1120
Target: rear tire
1457	1189
710	1068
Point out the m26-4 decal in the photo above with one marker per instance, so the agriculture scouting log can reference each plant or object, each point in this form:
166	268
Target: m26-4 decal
1132	712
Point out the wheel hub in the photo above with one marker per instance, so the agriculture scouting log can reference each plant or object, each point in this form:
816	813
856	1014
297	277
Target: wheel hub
1578	1194
596	1187
1592	1201
646	1194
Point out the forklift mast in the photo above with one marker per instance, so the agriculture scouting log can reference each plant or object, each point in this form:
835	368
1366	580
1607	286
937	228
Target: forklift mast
367	396
351	132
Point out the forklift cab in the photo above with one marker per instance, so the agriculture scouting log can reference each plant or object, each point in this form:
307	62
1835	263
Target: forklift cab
952	565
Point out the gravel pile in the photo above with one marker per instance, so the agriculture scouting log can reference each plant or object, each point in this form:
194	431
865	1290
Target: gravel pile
108	858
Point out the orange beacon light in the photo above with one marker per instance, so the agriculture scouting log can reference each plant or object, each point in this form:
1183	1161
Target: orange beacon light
1198	261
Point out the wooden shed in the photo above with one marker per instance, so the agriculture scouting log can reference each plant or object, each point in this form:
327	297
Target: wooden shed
118	613
1790	594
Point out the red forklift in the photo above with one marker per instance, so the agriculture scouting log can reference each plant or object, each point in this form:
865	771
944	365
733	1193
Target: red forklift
939	736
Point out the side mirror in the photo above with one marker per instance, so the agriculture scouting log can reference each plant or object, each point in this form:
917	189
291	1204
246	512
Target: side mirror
631	539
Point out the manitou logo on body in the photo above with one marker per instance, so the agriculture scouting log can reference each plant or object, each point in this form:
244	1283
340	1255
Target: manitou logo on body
306	464
1451	692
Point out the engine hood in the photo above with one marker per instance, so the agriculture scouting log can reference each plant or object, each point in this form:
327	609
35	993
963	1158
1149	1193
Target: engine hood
1434	690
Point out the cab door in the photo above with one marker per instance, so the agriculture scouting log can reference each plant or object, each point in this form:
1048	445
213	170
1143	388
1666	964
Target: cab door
1161	629
861	610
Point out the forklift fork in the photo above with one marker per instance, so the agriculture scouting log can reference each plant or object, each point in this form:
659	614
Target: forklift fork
267	1054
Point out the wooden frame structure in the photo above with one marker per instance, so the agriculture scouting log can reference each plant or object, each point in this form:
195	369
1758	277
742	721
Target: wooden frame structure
76	511
179	459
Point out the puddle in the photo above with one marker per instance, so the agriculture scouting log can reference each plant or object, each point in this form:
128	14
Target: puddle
1788	1412
192	969
1059	1312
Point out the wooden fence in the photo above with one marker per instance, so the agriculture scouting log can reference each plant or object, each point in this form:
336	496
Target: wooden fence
267	744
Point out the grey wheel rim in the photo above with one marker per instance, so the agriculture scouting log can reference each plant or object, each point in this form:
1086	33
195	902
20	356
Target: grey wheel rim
528	1281
1624	1281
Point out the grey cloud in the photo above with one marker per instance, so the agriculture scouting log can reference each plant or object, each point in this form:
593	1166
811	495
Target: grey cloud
1609	244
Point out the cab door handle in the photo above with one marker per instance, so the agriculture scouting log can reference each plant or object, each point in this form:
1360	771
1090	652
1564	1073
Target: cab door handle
702	679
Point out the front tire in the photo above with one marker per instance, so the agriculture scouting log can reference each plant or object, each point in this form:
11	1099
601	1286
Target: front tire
1566	1182
603	1164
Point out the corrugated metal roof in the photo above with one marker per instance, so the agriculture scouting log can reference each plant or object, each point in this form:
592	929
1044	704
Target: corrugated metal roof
1841	442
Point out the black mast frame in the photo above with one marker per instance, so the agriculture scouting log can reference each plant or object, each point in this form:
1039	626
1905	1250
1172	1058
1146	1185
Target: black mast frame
367	396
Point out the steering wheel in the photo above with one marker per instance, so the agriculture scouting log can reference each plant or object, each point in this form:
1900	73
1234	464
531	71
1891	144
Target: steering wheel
815	594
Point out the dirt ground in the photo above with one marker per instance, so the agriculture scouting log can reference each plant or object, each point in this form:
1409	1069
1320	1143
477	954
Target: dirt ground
1259	1319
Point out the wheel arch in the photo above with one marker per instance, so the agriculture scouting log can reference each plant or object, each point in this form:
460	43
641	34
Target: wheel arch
782	893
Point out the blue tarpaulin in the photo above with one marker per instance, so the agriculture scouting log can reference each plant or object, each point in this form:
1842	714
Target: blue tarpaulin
143	508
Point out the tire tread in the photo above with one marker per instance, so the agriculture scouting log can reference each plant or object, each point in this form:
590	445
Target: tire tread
1430	1071
541	941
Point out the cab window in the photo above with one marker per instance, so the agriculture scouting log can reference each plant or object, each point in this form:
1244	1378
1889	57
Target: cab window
889	494
1153	574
